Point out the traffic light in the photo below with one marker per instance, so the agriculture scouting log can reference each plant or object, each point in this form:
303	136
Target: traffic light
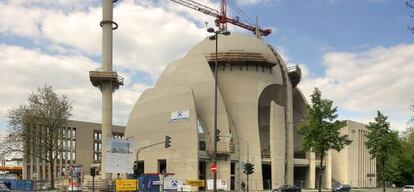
218	135
167	141
135	167
248	168
92	171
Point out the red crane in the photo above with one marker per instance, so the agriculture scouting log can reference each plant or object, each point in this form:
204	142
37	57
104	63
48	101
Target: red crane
221	16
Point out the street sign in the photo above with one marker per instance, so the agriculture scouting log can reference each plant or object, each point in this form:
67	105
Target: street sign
213	168
126	185
198	183
70	167
221	184
157	182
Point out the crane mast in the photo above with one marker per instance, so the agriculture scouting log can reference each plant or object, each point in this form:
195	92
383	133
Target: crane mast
221	16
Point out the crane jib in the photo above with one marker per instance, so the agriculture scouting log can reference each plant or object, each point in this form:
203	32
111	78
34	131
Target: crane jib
221	16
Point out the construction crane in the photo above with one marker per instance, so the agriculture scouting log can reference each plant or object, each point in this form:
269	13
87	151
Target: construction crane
221	16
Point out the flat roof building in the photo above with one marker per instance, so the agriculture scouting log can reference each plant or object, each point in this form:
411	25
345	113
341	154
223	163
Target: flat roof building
81	146
354	165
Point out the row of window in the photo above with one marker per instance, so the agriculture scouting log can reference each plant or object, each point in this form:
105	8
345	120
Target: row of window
97	143
97	135
69	132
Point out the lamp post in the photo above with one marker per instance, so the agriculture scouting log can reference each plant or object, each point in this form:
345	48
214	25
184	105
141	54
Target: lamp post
248	159
215	37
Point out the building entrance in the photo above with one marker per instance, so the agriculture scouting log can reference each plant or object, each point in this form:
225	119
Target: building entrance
202	173
267	176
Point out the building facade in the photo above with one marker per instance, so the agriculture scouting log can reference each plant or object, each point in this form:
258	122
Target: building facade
354	165
259	108
81	146
259	111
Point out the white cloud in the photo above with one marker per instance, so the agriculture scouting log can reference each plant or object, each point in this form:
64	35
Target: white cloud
251	2
25	70
377	79
26	25
64	40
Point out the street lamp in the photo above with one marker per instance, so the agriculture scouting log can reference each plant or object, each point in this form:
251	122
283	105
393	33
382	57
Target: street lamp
248	159
215	37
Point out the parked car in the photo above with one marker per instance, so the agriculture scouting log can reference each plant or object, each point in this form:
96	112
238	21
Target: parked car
287	188
408	188
341	188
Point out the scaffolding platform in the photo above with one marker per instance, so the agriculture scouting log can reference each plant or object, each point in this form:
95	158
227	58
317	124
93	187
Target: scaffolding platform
295	75
238	57
98	77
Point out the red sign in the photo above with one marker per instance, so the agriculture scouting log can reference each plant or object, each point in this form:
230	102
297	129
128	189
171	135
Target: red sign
213	168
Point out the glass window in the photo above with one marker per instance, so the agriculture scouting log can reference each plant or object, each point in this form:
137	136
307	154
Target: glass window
202	145
200	126
74	132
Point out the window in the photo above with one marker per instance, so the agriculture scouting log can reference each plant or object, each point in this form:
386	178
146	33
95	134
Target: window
200	126
73	145
202	145
162	166
97	135
118	135
73	133
96	157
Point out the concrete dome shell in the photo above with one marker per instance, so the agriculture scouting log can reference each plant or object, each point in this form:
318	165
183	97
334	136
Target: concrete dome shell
232	43
188	83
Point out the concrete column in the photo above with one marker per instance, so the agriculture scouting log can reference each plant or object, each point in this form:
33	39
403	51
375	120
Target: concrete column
55	169
37	161
43	170
106	86
328	170
71	145
62	140
49	172
277	144
224	171
289	124
24	172
312	171
66	145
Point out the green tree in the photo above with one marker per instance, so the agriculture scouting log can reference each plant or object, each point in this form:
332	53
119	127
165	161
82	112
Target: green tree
248	169
321	129
410	4
34	128
406	163
383	144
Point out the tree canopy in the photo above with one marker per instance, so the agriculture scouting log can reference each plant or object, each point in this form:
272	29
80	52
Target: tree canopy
35	128
410	4
321	129
384	145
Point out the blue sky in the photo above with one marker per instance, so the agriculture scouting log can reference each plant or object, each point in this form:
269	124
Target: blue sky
358	52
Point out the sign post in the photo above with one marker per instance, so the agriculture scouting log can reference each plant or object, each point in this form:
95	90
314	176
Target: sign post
213	168
126	185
